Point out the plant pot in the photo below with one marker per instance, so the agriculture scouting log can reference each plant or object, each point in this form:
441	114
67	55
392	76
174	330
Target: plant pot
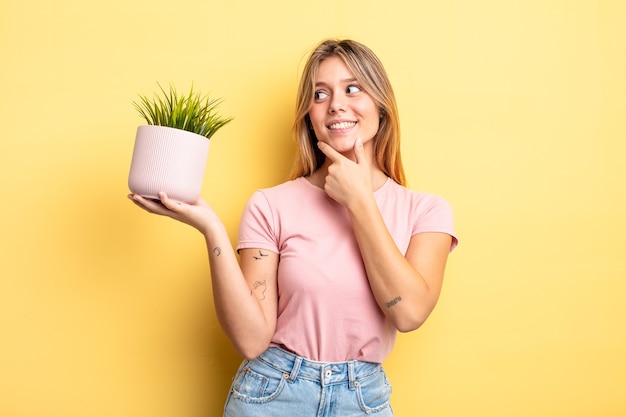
169	160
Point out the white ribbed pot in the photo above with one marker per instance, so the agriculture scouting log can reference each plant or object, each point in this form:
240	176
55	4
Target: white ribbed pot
169	160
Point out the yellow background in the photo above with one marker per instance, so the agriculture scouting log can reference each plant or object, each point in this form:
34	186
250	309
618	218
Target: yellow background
513	110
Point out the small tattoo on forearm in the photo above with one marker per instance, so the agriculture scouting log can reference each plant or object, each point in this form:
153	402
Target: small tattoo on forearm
262	287
217	251
393	302
261	255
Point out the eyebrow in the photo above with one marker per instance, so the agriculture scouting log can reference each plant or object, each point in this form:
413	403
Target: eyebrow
344	81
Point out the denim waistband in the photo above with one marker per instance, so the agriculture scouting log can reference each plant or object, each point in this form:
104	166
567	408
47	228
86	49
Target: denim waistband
326	373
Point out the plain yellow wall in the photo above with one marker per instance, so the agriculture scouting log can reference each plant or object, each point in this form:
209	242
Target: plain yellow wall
513	110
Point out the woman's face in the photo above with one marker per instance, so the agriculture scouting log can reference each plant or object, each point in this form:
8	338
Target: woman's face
341	110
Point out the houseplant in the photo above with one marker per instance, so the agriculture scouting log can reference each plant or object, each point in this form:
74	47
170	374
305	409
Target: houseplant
170	152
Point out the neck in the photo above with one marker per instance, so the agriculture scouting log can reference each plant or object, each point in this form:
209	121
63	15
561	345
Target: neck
318	178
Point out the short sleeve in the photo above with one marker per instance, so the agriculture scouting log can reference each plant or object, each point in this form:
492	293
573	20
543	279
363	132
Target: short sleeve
257	228
436	215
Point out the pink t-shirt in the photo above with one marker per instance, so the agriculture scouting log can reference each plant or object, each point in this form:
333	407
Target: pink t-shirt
326	309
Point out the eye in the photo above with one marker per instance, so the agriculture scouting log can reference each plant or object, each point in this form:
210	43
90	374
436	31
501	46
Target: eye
352	89
320	95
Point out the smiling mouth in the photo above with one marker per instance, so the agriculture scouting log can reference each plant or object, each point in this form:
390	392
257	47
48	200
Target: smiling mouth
342	125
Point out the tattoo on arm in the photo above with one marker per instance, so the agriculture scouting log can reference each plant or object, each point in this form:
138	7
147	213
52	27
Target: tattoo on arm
261	255
262	287
393	302
217	251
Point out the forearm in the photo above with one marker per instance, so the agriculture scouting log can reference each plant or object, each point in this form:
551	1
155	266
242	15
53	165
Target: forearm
402	293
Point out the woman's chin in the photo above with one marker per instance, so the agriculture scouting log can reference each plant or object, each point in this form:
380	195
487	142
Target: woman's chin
343	145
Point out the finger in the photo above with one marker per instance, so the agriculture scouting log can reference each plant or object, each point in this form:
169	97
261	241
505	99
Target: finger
328	150
168	203
135	200
201	202
359	153
150	205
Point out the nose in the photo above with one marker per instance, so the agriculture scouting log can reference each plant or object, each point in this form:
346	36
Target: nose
336	104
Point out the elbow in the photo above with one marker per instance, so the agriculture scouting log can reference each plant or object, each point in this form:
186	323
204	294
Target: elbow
410	322
407	326
251	353
251	348
410	317
249	343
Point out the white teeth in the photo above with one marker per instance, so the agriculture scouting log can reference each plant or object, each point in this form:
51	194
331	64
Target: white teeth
342	125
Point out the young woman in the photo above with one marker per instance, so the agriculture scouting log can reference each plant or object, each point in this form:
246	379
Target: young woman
333	262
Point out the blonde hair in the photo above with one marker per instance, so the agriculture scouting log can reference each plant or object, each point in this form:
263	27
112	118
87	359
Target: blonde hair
370	73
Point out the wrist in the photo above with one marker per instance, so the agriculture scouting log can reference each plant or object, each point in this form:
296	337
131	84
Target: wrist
361	205
212	229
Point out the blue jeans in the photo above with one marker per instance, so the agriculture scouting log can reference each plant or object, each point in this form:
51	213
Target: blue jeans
281	384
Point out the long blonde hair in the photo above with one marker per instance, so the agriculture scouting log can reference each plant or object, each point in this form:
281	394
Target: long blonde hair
370	73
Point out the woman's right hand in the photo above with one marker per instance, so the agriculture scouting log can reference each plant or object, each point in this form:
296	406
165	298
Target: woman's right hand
199	215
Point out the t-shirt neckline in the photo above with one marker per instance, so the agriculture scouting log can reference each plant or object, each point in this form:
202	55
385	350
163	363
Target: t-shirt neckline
376	191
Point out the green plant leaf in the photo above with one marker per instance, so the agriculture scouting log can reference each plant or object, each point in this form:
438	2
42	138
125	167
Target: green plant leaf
192	112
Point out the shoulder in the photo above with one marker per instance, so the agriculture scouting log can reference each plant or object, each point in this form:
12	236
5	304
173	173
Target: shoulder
425	212
283	194
286	188
419	201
